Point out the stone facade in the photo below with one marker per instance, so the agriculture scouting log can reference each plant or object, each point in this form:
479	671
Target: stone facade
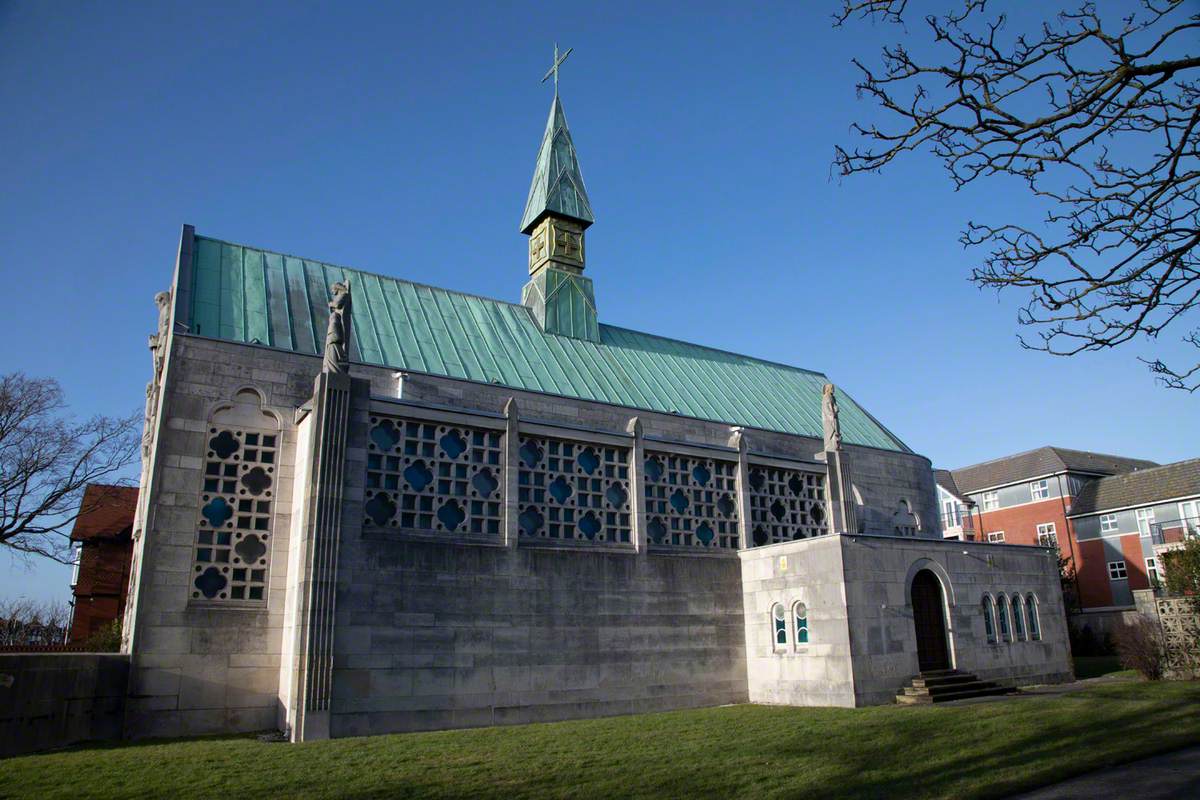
451	628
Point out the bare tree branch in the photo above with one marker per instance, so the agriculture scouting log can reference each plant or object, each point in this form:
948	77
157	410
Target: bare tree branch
46	462
1100	121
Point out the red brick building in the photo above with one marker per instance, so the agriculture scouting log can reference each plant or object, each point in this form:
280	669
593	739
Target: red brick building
1028	499
104	546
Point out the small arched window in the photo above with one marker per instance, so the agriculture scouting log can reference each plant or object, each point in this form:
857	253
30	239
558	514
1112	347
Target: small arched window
779	626
800	613
1018	618
1031	613
989	619
1002	618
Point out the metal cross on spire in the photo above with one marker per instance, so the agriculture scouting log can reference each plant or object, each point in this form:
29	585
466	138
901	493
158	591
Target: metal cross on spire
558	60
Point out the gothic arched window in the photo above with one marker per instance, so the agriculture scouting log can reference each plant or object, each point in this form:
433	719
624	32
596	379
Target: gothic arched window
1002	616
800	614
1018	618
779	625
989	618
1031	609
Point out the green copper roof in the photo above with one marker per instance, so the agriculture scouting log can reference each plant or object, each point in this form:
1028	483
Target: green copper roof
557	182
242	294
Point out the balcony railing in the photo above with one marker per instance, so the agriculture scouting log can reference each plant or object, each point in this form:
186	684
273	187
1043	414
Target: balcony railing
1175	530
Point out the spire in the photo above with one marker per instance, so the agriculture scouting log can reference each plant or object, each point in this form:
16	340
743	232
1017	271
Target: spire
556	214
557	186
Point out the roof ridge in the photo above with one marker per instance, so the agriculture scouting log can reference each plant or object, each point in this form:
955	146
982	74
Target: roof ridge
1140	472
1002	458
1057	448
365	272
525	308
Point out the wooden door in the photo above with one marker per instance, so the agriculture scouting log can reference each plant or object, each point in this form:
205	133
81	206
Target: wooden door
930	622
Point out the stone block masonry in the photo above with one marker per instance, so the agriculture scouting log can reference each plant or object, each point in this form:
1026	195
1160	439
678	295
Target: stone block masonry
50	700
433	635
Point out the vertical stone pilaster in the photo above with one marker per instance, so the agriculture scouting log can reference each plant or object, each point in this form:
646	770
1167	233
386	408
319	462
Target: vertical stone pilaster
512	467
317	588
637	486
743	488
843	516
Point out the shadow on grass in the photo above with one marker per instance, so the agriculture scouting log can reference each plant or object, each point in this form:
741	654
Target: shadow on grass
985	750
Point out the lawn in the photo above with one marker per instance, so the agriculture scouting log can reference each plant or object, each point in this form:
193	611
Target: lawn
984	750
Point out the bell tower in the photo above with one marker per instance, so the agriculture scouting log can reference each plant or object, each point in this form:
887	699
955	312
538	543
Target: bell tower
556	215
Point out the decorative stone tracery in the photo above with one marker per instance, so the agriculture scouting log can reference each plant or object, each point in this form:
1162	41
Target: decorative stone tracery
785	504
233	536
691	501
433	477
573	491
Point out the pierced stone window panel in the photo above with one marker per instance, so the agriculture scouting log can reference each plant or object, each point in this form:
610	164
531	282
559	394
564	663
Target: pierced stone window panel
573	491
237	501
434	478
785	505
691	501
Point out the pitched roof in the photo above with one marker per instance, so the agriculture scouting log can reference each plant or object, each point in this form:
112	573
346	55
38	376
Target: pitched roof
1140	488
105	512
243	294
945	479
1042	461
557	182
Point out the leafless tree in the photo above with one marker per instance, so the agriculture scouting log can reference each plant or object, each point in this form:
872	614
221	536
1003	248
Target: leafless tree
26	622
46	461
1100	120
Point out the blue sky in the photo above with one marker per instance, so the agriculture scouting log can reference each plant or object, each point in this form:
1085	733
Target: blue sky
400	138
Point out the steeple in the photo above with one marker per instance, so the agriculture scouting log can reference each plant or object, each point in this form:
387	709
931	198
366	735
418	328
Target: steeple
556	214
557	186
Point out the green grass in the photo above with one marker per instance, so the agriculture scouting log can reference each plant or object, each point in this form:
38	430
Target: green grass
1095	666
983	750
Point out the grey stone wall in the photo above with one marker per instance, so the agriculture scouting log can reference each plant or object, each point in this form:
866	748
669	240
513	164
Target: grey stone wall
879	574
862	642
433	635
196	667
440	633
57	699
816	673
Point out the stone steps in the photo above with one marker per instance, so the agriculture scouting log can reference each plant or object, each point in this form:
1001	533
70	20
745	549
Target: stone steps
941	686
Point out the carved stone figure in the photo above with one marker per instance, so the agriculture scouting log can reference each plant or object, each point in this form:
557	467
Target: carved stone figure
163	301
337	335
829	419
148	424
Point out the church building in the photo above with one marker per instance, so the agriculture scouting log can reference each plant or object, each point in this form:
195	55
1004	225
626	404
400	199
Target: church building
372	505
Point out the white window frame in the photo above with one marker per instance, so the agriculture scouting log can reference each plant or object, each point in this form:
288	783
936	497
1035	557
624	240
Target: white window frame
1117	571
1047	529
991	501
1039	490
1109	524
778	609
798	607
1152	572
996	537
1189	510
1145	518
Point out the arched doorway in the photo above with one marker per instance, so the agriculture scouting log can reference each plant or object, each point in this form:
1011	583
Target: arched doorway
929	618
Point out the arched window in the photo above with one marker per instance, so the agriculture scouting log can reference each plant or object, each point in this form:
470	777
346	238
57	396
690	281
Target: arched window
989	619
779	625
1002	616
1018	618
1031	612
800	613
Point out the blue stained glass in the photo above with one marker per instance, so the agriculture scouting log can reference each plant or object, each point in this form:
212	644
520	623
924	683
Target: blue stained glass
217	512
